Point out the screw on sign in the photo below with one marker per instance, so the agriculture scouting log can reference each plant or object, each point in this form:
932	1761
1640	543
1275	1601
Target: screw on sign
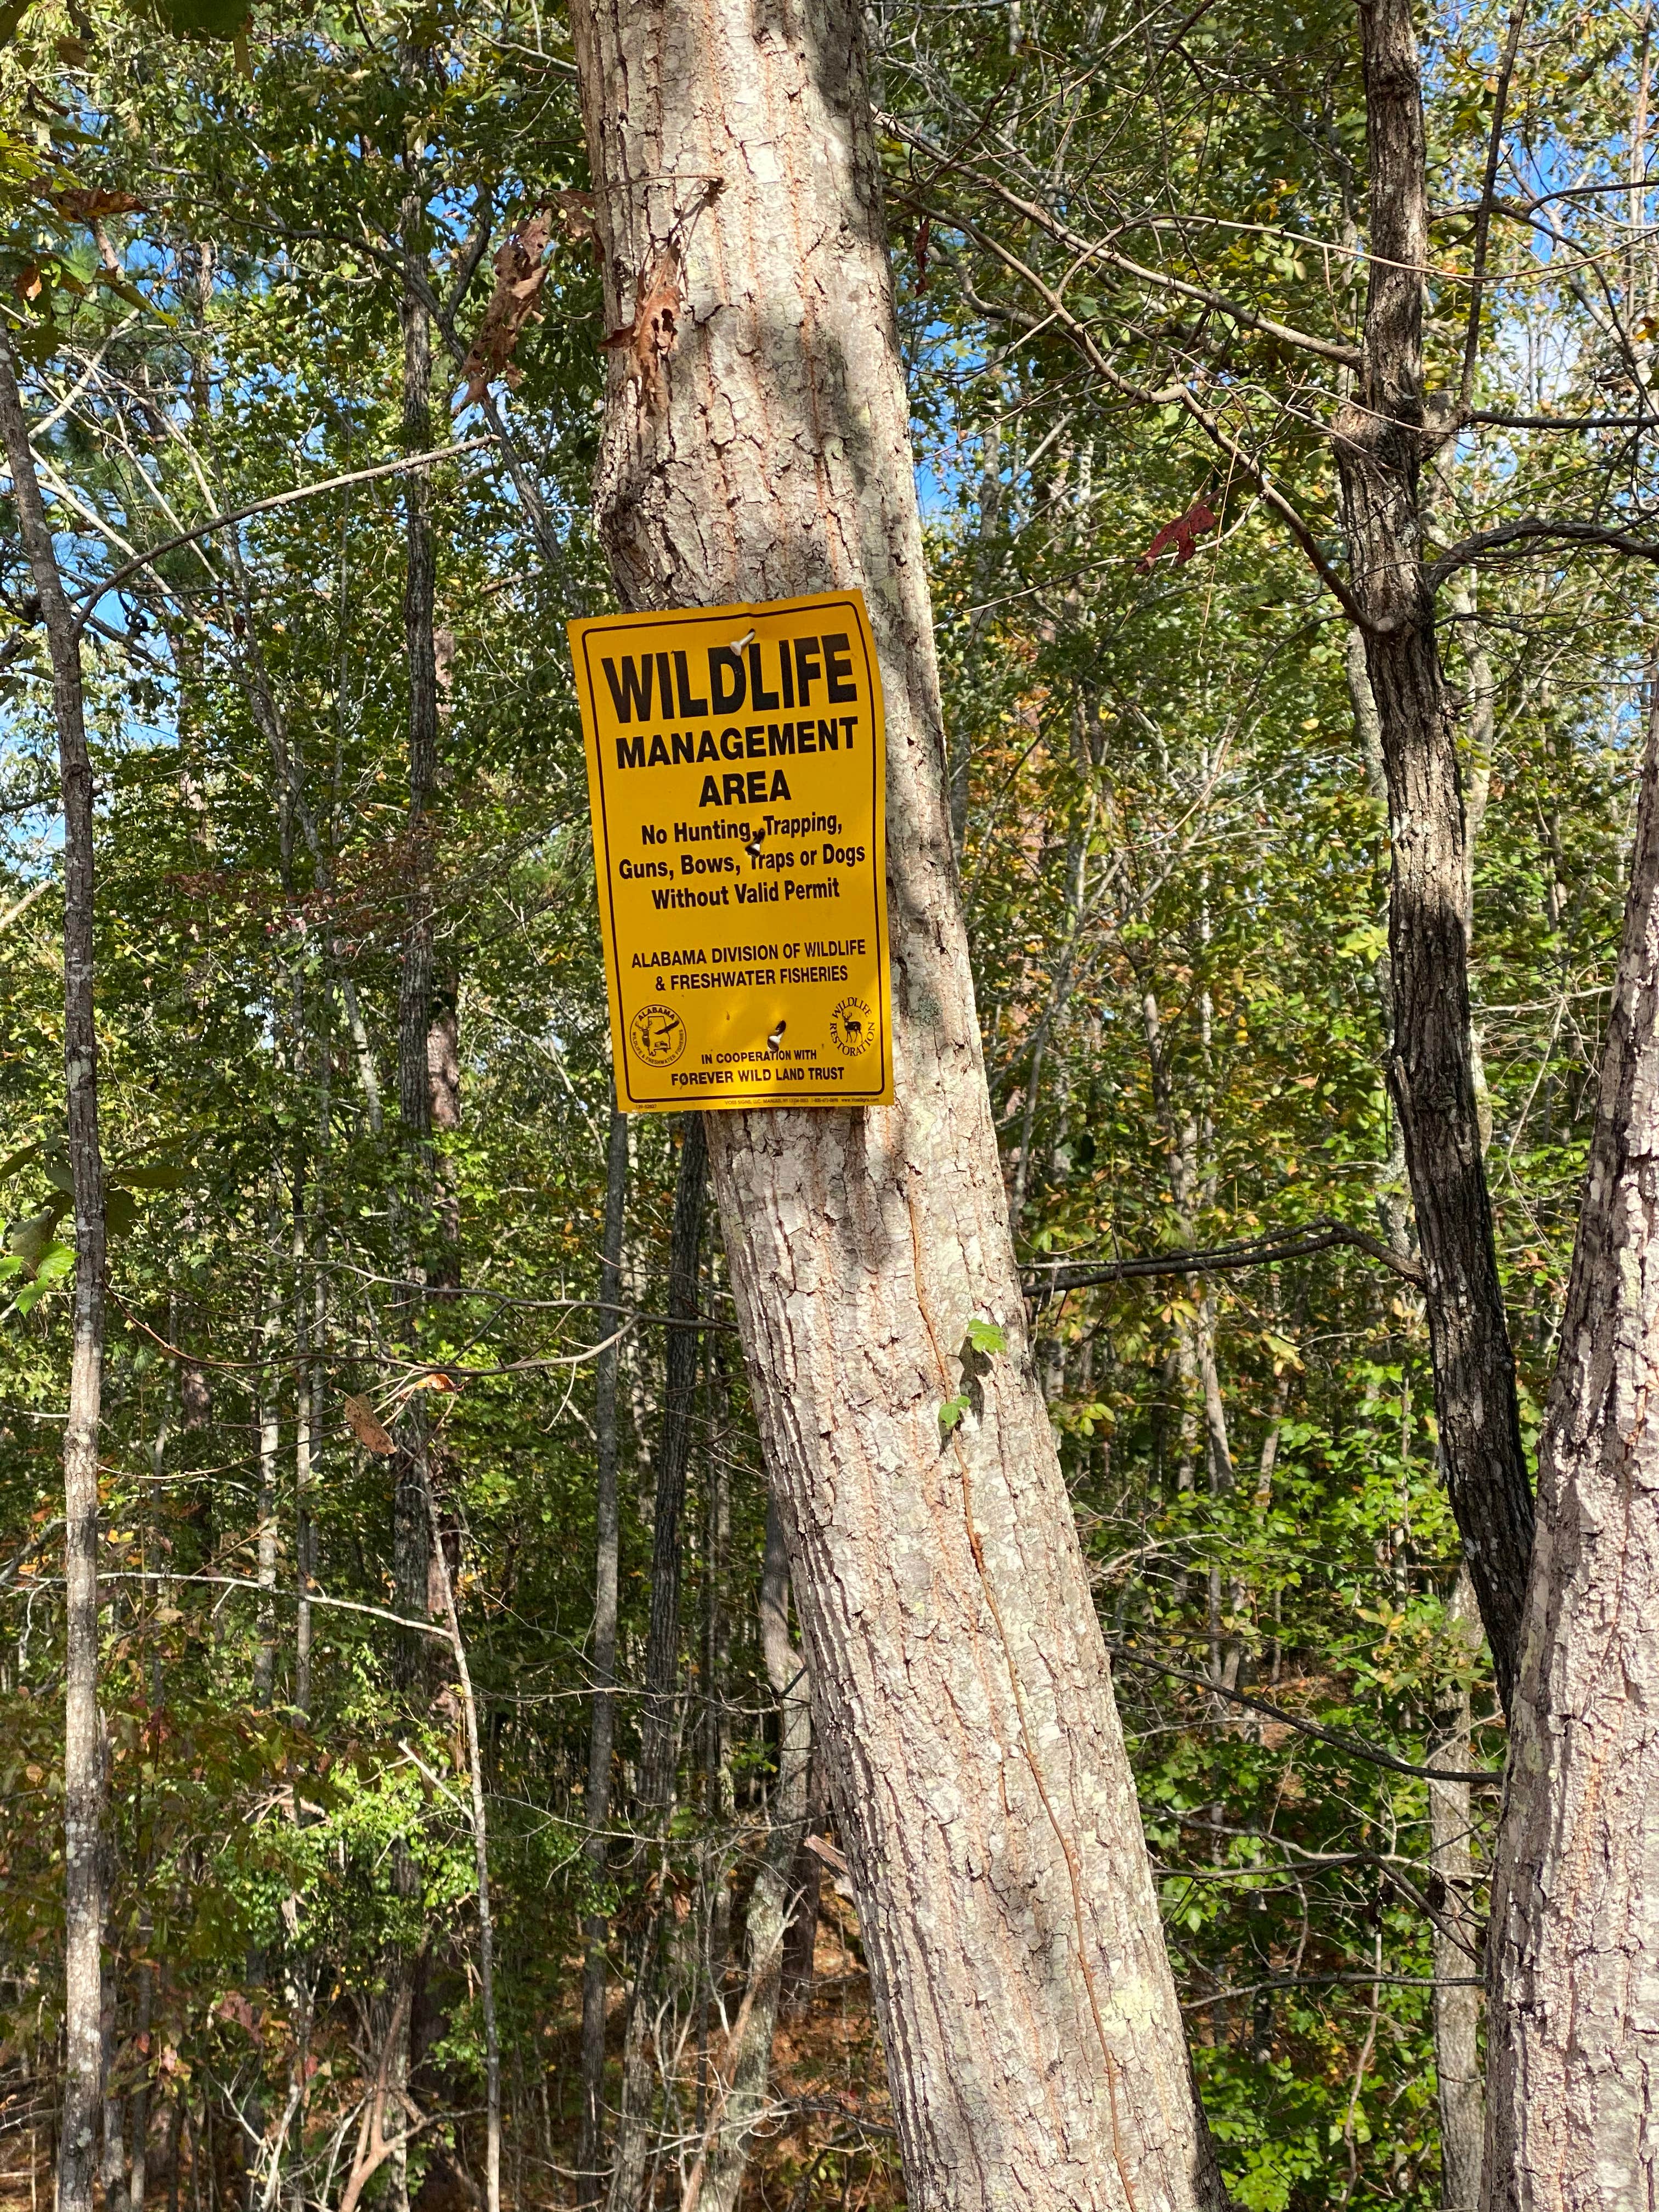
737	776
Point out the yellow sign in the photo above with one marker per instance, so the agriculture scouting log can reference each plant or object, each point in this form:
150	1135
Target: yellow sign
736	771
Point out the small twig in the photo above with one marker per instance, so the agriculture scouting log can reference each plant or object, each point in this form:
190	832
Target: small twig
91	596
1217	1259
1483	217
1348	1743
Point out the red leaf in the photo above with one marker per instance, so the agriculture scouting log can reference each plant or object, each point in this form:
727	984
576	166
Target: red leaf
1180	533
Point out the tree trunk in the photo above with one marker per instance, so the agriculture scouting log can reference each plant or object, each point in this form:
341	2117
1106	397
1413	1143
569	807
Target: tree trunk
602	1737
716	2180
758	447
481	1866
1381	439
1573	2114
658	1728
85	1842
270	1434
1456	1932
659	1733
415	986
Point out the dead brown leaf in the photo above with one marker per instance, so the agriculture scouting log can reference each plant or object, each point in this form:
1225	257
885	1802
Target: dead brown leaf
369	1431
520	272
88	203
576	214
655	329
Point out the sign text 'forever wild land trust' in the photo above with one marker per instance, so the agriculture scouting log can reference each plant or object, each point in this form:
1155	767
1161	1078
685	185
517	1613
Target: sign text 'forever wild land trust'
736	770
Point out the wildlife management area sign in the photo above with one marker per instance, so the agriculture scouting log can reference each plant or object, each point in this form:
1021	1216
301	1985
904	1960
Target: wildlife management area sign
736	770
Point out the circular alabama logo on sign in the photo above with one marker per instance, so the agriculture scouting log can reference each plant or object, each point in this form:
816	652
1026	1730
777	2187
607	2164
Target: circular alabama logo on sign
658	1036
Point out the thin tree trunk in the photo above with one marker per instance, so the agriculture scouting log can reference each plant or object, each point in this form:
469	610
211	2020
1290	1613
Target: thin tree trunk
1573	2110
739	2102
1026	2006
658	1730
481	1866
270	1383
85	1841
1456	1933
602	1736
660	1733
414	986
138	2180
1381	441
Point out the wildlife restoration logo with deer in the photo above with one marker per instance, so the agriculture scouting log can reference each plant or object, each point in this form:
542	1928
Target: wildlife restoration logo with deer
736	770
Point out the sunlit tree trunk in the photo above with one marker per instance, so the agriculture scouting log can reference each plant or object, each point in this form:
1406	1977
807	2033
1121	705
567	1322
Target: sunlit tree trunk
1457	1928
1033	2039
85	1840
1572	2096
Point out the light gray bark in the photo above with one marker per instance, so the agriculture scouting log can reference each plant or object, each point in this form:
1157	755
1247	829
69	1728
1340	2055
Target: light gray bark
85	1839
481	1865
1573	1952
590	2186
1456	1931
756	446
270	1432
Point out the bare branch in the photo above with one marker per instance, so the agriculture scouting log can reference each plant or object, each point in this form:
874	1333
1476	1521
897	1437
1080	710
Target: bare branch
96	592
1220	1259
1483	214
1539	529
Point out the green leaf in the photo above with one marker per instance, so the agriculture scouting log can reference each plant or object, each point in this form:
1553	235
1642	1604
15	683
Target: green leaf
120	1212
32	1240
158	1176
951	1412
987	1336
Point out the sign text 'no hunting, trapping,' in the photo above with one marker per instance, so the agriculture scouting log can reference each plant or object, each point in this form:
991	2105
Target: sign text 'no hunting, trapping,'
736	768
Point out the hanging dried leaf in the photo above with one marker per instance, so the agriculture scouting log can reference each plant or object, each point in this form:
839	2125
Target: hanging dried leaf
87	203
520	272
365	1425
1180	533
655	328
576	217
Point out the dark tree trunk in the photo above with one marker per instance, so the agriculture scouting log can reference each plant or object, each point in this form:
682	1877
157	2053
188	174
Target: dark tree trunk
1383	440
659	1734
85	1841
659	1729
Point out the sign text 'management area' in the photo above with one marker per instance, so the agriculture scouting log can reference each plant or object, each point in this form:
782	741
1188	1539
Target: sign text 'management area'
736	766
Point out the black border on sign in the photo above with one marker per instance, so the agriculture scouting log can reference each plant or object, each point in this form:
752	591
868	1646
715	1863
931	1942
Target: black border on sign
619	626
